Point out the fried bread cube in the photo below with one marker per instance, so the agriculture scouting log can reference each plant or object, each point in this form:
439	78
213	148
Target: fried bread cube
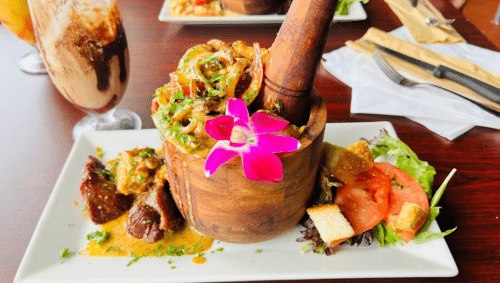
410	217
330	222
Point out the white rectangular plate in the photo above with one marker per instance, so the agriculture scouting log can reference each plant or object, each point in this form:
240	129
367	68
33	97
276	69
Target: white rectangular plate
62	226
356	13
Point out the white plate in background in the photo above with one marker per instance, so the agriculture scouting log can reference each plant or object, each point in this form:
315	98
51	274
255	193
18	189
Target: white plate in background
356	13
62	226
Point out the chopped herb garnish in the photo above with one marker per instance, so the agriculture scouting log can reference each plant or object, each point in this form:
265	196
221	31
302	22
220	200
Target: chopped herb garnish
113	249
106	174
218	250
135	258
212	59
395	182
258	251
147	153
216	77
197	247
98	236
176	250
140	179
64	253
250	95
178	95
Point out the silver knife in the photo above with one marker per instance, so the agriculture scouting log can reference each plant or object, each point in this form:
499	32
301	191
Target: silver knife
488	91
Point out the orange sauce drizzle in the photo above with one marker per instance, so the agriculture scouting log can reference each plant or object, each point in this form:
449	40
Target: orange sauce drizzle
121	244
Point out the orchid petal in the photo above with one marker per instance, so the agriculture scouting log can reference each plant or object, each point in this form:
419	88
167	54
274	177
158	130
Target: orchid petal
220	154
261	165
276	143
264	123
220	128
242	124
238	109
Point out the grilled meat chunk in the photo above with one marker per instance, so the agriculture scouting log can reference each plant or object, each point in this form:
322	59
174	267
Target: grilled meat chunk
154	213
144	223
99	193
160	200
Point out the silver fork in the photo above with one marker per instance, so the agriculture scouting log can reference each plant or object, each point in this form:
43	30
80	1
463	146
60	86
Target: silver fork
395	76
399	79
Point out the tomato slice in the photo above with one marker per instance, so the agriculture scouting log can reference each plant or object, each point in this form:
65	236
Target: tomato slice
364	202
404	188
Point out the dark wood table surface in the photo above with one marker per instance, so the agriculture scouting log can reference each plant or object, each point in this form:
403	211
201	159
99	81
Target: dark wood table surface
37	122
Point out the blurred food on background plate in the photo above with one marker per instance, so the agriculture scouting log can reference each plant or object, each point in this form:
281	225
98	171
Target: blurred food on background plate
207	8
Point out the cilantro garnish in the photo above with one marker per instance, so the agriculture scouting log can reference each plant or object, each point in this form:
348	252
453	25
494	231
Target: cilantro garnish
64	253
135	258
98	236
147	152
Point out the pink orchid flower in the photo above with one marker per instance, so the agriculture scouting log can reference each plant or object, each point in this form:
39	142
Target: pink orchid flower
250	138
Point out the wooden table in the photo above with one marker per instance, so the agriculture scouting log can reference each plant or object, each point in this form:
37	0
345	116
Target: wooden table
37	123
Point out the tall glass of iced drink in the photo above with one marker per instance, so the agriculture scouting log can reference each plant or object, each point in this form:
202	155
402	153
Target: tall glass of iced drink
84	47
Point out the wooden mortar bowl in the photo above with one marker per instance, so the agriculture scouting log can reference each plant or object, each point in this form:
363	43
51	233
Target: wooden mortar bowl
251	7
228	207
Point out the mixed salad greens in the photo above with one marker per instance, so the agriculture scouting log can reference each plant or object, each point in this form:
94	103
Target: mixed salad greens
404	158
394	151
343	6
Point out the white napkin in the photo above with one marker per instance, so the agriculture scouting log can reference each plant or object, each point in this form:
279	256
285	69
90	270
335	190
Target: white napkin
440	111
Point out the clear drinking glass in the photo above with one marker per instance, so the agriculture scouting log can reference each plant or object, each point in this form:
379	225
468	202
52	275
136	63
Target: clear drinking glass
84	47
15	15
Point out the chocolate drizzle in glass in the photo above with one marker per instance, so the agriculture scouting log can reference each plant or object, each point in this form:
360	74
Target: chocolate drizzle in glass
101	67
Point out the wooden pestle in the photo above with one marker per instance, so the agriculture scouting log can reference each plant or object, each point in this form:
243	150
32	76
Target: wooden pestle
294	58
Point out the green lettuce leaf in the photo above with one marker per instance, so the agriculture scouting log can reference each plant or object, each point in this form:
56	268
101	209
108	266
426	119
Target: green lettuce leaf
343	6
426	236
423	235
385	236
